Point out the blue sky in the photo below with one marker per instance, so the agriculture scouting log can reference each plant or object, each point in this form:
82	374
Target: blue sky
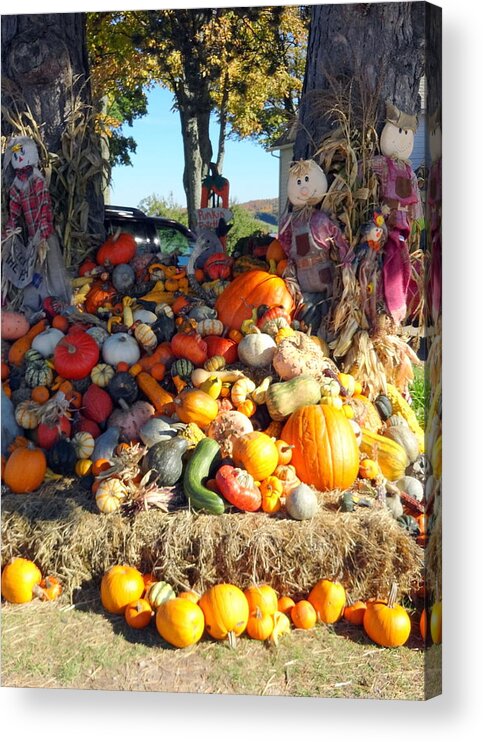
158	162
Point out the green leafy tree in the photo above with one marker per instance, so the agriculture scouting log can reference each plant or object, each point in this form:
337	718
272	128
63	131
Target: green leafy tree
155	205
244	63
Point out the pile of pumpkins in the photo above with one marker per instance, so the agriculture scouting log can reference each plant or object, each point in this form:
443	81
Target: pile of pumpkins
225	611
228	395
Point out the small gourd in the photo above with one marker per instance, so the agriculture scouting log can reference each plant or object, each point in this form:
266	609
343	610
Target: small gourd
38	374
384	406
145	336
123	278
110	494
84	444
61	457
301	502
101	374
256	349
122	387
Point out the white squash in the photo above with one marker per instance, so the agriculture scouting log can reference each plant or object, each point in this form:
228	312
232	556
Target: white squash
46	341
144	316
119	348
256	349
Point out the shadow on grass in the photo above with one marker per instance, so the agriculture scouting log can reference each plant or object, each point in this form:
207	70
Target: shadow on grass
357	634
87	599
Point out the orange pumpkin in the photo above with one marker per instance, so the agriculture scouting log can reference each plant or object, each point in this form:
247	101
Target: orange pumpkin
25	469
303	615
354	612
261	597
120	585
138	613
260	625
248	290
40	394
180	622
226	611
325	452
328	599
20	580
285	604
196	406
256	453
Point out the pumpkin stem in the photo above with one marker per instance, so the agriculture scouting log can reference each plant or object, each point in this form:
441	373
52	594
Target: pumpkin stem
122	403
391	601
232	639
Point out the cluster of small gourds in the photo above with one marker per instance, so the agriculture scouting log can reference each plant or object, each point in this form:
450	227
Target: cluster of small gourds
145	377
225	611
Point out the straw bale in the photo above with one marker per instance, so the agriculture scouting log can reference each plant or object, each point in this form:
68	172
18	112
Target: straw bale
61	530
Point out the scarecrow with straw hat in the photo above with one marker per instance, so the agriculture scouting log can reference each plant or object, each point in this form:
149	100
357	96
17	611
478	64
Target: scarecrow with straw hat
34	266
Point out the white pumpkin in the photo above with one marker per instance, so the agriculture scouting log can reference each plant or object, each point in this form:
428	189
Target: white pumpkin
145	316
46	341
120	348
256	349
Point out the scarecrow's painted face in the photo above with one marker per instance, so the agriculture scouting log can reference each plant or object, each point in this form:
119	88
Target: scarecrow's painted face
396	142
307	188
24	154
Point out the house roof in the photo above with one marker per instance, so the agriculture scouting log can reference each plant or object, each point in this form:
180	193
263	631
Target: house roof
288	137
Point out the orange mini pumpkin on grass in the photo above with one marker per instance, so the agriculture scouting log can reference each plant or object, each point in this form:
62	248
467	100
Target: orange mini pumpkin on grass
303	615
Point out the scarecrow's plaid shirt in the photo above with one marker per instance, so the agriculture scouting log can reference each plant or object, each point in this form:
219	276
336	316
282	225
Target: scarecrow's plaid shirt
33	201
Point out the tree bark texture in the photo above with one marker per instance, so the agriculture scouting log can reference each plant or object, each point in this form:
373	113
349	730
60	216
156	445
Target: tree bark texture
44	66
380	45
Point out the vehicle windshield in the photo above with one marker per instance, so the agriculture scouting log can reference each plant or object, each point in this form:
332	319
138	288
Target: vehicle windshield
171	240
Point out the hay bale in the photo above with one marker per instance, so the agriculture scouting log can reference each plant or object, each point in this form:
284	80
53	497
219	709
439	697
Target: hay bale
64	534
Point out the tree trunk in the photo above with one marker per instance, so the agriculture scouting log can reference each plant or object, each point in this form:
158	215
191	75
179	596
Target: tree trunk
380	45
44	69
198	152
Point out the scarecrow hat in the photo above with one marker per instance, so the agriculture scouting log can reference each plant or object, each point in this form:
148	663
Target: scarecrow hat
399	118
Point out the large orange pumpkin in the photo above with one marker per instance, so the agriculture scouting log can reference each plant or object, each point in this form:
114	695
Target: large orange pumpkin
249	290
325	452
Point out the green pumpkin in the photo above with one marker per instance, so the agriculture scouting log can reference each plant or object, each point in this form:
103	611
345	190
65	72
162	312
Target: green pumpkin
166	460
122	387
410	524
38	373
32	355
182	368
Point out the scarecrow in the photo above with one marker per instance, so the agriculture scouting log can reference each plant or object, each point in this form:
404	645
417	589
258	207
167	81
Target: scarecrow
401	205
314	244
368	257
35	266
